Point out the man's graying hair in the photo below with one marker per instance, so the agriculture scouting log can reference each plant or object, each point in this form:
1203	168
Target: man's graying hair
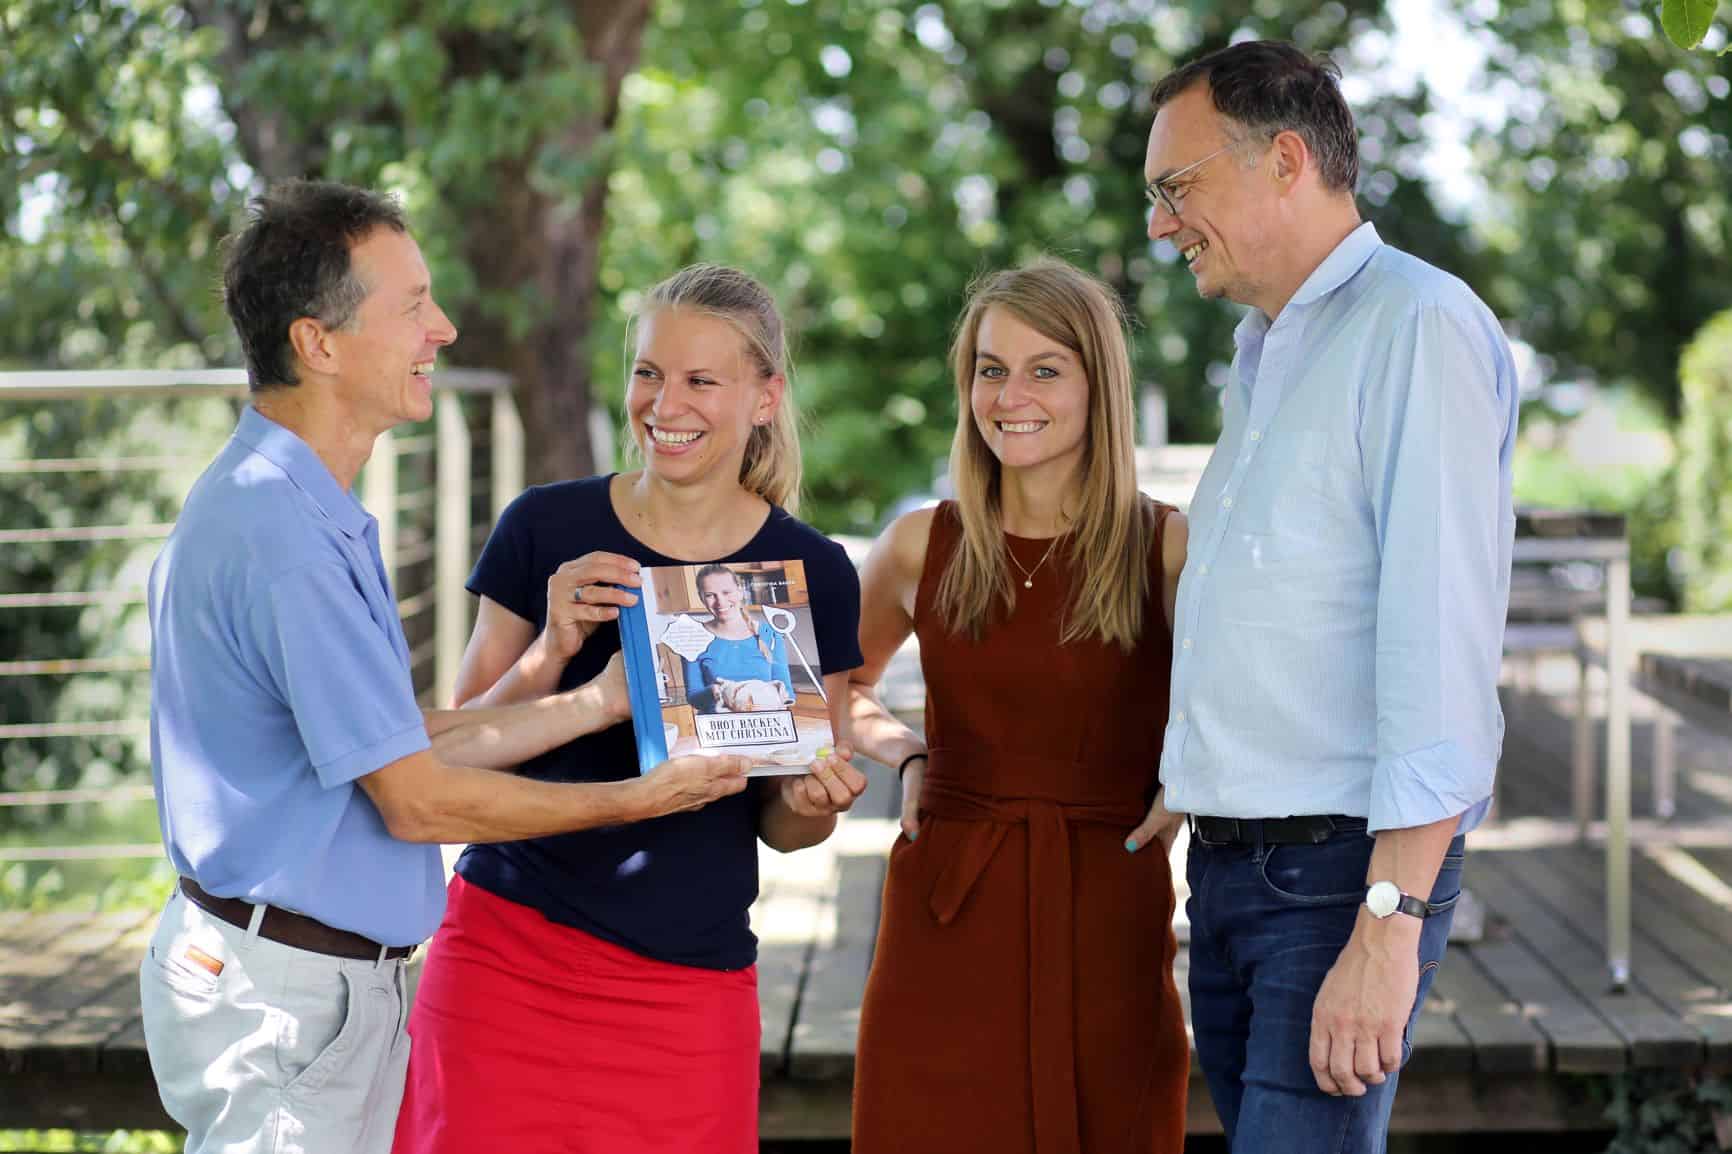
292	261
1264	87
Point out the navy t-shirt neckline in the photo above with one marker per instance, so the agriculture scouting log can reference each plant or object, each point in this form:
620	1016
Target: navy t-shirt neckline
659	558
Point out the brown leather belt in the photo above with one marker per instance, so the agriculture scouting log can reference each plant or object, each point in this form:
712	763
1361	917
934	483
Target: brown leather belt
291	929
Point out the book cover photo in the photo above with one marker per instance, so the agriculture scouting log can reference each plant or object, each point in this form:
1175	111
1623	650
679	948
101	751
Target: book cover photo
722	658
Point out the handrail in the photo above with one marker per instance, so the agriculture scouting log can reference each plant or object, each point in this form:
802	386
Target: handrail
43	385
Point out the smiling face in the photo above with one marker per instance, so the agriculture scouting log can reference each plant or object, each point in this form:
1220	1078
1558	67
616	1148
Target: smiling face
1029	396
720	593
1226	209
384	358
695	395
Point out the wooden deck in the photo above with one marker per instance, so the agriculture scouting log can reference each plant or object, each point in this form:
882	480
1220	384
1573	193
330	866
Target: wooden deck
1513	1018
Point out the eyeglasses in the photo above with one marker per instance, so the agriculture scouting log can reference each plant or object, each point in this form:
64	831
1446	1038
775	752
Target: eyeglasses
1160	193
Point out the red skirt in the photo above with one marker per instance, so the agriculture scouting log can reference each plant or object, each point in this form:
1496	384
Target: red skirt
541	1039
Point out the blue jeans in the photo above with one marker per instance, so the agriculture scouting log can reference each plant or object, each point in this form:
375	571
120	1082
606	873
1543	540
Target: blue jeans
1267	923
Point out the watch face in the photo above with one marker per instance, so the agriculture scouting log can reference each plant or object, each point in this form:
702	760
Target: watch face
1382	898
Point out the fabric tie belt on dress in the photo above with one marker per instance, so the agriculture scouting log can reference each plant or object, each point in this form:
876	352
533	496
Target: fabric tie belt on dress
1052	937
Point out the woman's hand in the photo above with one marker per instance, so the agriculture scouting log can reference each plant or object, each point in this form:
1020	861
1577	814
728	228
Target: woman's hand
828	789
1161	824
580	596
913	778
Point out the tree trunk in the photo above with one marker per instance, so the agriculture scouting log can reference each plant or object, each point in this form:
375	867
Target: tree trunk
543	253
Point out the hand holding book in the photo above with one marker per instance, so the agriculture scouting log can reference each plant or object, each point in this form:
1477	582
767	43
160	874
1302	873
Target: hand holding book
692	782
830	787
582	594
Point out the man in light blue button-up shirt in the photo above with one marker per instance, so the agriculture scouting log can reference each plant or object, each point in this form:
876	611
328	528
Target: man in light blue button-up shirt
1334	724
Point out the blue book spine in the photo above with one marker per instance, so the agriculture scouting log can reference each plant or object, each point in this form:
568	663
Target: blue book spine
640	683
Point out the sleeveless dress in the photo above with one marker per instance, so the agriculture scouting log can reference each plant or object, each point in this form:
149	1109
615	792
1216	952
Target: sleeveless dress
1021	998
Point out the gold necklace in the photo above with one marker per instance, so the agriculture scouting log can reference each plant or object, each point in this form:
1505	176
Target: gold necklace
1028	574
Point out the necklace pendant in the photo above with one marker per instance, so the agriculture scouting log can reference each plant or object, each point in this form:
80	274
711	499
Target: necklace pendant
1028	584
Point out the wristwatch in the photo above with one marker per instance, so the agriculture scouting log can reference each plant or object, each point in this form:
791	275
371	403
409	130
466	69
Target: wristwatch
1386	898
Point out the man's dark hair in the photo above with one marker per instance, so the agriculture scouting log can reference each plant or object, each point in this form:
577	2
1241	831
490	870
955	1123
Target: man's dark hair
292	261
1263	87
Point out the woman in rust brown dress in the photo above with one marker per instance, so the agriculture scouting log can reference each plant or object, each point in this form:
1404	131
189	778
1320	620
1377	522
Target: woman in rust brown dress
1021	997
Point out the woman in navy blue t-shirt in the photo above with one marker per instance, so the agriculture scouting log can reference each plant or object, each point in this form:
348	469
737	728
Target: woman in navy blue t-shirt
597	991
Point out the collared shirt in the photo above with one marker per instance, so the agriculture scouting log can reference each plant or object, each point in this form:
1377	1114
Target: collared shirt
1340	616
280	675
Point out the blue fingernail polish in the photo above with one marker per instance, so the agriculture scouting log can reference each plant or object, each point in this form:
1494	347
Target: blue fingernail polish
1130	845
912	834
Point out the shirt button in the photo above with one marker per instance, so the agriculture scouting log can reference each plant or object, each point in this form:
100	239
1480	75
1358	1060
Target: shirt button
1179	717
1226	502
1202	570
1187	643
1256	435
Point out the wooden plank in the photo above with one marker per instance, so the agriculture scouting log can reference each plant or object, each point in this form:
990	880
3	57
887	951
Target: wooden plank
123	1054
1440	1045
1581	1041
81	1101
74	1039
1654	884
797	915
1683	968
1706	680
1653	1035
1505	1103
827	1021
786	919
1504	1041
47	985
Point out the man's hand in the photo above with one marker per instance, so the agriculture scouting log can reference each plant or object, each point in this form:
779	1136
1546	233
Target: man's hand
581	595
830	788
1363	1007
691	782
1161	824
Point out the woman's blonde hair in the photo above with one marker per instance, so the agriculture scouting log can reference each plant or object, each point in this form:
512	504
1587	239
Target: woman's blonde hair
771	467
1111	533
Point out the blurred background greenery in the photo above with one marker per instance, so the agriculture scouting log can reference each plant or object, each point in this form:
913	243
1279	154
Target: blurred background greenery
866	158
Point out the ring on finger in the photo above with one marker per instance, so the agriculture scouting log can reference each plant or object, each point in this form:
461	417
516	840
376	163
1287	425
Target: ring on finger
577	594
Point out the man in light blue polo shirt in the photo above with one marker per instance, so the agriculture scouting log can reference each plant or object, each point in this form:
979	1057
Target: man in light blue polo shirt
301	789
1334	724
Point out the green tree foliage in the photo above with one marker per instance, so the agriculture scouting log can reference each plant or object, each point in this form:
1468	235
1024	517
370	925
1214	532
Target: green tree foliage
1704	468
1613	214
1687	21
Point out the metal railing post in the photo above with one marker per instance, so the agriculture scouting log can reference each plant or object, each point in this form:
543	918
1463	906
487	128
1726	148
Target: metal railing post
1583	755
379	494
450	545
507	451
1618	770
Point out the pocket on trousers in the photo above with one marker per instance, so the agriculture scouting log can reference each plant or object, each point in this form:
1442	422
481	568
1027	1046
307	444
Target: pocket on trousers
187	969
309	1051
1331	874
